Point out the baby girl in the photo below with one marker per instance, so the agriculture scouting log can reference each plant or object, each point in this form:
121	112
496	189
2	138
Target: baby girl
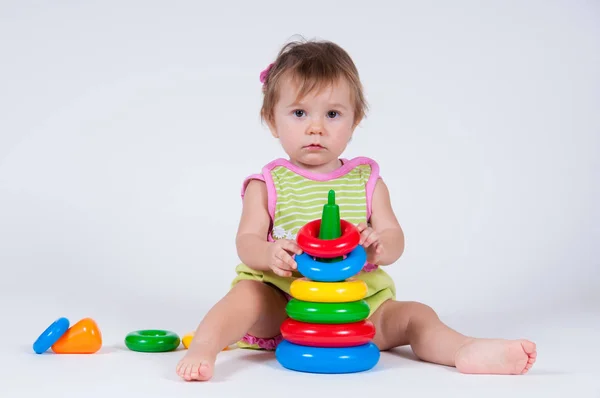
313	101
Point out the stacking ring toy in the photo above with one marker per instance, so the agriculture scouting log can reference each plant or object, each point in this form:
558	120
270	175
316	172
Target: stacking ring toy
307	311
323	335
332	272
327	360
51	335
308	240
152	340
328	292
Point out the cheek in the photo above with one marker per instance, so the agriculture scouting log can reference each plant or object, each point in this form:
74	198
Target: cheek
341	131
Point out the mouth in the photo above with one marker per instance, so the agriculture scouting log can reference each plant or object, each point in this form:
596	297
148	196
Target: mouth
314	147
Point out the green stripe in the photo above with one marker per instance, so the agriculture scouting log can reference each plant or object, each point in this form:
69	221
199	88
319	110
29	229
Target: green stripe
300	200
294	201
306	215
322	192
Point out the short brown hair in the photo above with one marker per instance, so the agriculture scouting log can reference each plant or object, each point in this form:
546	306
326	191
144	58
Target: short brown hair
314	64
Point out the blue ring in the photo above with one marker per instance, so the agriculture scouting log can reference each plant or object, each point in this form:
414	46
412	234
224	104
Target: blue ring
51	335
335	271
327	360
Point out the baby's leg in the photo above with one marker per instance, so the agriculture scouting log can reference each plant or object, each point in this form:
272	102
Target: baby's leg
249	307
401	323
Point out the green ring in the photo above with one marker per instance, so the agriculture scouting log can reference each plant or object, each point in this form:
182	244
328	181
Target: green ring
313	312
152	340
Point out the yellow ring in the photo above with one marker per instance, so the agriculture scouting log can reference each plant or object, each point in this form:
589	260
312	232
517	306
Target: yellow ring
328	292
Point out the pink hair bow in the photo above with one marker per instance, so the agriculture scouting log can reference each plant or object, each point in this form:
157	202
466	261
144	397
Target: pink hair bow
265	73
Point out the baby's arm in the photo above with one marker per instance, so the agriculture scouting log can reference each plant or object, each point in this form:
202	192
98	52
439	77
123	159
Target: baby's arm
251	239
384	222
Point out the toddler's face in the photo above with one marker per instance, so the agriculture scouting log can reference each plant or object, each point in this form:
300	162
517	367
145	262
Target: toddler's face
316	130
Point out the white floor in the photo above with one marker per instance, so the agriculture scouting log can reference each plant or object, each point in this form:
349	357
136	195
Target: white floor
568	365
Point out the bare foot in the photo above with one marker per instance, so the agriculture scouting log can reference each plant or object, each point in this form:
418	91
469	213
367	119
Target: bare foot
496	356
197	364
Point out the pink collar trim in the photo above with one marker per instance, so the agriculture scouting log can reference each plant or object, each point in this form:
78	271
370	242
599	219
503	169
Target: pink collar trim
345	168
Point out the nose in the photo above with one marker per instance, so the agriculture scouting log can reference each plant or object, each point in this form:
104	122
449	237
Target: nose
316	127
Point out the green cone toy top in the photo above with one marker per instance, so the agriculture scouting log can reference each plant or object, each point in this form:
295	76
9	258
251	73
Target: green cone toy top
330	219
330	223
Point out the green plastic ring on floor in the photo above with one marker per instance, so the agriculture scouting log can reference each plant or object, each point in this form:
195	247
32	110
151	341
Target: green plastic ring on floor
152	340
313	312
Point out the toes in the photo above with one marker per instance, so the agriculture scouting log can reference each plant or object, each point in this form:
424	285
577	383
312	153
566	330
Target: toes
181	368
204	370
528	346
527	368
194	372
533	355
191	372
185	371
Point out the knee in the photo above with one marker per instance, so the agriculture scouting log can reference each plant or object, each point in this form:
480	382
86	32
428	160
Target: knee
248	288
250	293
420	311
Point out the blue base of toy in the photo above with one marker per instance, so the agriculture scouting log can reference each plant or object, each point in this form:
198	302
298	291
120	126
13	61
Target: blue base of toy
327	360
50	335
332	272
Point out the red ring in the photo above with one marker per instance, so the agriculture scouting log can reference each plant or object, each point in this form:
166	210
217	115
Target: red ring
309	242
328	335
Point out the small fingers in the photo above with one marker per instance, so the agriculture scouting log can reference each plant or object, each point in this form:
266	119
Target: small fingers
370	239
363	236
291	246
367	237
281	272
362	226
285	260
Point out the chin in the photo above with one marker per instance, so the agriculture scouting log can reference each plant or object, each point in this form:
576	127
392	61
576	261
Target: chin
315	159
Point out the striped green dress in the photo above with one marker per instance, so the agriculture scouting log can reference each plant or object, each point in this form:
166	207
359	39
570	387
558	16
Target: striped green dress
296	196
301	199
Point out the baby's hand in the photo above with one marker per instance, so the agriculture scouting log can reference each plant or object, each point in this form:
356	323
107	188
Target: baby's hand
280	256
369	239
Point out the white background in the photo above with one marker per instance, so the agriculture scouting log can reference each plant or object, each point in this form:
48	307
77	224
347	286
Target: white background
126	129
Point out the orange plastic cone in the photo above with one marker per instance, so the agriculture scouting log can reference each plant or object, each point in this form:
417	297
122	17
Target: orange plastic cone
84	337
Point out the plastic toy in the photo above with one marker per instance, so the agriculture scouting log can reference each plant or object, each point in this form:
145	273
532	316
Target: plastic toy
328	335
327	360
187	339
328	330
84	337
50	335
152	340
332	271
328	292
306	311
311	244
336	238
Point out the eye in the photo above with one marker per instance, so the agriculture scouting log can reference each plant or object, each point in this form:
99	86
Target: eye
298	113
332	114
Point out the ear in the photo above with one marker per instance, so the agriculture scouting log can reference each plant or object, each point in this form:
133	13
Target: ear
356	123
354	126
272	128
